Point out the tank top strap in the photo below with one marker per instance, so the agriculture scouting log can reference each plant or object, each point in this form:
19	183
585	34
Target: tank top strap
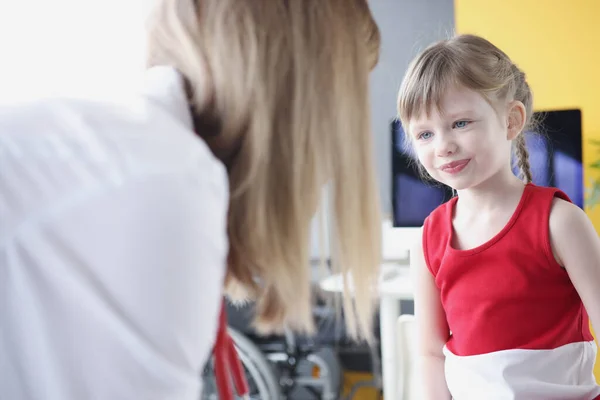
437	231
534	220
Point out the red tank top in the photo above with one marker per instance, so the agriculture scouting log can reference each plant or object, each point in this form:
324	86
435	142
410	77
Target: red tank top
508	293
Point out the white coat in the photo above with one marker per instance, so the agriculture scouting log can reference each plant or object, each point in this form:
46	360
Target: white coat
113	247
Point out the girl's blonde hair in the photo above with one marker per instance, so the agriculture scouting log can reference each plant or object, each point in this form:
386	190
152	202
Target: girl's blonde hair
280	93
474	63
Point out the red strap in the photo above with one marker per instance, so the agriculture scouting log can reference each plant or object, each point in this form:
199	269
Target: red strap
228	366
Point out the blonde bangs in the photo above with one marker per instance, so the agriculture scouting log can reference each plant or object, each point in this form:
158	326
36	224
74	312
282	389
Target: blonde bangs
426	82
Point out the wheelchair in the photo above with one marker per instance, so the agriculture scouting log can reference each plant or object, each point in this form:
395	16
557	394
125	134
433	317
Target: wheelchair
286	367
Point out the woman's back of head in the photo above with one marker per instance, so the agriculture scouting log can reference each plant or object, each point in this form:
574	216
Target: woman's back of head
280	93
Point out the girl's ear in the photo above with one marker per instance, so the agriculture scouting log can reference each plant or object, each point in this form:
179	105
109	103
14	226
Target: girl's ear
517	116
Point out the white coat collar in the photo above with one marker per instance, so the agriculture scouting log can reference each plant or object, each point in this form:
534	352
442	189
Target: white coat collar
165	85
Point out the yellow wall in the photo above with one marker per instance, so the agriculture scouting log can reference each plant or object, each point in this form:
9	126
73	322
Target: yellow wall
557	44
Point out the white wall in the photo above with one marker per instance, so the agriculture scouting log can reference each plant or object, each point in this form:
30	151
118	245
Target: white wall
70	47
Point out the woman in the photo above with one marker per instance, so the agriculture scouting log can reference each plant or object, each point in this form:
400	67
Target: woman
122	223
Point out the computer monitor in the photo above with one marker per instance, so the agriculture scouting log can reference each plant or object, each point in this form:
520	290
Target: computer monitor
555	155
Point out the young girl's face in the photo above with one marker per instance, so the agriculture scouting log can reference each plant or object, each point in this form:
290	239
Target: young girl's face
464	145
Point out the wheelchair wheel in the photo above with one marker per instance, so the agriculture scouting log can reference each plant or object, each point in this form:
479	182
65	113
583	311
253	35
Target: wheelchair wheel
262	380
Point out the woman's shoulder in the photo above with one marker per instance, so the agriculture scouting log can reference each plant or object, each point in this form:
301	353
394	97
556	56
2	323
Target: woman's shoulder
54	149
136	130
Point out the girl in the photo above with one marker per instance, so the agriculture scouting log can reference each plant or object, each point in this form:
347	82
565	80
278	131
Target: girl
506	271
122	223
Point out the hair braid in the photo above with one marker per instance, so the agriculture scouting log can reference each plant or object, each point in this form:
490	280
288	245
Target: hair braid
523	159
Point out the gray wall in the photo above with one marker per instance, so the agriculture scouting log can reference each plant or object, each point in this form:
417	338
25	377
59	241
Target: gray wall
407	26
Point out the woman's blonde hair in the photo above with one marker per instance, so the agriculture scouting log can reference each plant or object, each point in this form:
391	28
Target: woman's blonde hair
280	93
472	62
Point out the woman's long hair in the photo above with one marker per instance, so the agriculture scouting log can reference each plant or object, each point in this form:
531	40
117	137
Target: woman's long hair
280	93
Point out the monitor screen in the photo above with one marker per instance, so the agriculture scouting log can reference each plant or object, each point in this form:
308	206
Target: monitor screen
555	156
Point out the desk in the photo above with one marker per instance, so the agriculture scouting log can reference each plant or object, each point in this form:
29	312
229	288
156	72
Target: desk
395	285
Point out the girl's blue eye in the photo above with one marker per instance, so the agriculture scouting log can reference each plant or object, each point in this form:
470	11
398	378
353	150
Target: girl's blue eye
425	135
461	124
